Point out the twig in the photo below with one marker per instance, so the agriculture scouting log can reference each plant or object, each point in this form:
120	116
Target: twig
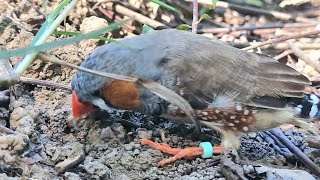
45	83
55	60
110	14
7	130
188	9
304	158
195	13
298	52
280	39
259	11
250	28
136	16
282	55
284	46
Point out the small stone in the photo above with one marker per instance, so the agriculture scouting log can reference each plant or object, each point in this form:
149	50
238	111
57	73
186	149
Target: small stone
107	133
136	152
71	176
248	169
95	167
129	147
92	23
119	131
144	134
252	135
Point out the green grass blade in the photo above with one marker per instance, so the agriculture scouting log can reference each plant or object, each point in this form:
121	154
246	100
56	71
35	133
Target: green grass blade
165	5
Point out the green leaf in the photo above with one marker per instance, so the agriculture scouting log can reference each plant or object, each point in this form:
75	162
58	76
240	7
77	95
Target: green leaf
60	43
165	5
257	3
204	16
147	29
183	27
214	4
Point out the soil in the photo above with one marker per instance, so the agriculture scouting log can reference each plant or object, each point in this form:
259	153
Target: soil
48	143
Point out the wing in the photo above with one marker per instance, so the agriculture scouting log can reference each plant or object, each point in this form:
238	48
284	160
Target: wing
210	68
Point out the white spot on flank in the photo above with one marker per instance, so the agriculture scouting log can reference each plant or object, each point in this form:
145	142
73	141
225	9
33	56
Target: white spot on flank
245	128
246	112
232	117
204	118
243	119
217	111
230	124
181	92
238	107
178	81
236	121
204	113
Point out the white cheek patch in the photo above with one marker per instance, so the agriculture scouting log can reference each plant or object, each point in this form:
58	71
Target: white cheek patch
101	104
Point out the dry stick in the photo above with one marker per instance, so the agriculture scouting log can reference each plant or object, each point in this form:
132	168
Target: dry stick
136	16
195	17
282	55
284	46
55	60
298	52
280	39
45	83
239	8
250	28
7	130
109	14
304	158
189	10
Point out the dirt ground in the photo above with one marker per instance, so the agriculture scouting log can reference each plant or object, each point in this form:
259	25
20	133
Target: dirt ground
47	143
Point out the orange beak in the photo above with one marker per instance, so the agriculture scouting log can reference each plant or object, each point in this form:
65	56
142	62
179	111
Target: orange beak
79	108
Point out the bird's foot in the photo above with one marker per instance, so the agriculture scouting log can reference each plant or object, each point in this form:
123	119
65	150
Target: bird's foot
188	153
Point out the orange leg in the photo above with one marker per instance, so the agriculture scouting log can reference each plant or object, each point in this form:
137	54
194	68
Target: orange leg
190	152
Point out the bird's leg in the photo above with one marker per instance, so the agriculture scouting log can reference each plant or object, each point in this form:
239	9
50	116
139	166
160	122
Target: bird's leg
189	153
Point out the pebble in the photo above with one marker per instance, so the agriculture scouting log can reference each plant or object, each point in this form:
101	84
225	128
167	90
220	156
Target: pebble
136	152
248	169
252	135
144	134
129	147
107	133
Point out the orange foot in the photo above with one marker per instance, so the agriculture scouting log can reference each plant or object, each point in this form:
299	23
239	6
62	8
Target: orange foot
189	153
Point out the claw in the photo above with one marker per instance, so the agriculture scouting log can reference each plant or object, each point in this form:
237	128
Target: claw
188	153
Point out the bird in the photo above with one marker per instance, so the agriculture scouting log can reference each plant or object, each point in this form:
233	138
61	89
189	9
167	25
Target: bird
231	91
